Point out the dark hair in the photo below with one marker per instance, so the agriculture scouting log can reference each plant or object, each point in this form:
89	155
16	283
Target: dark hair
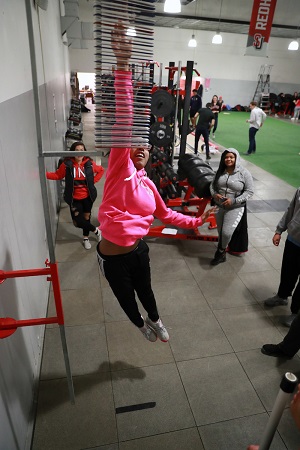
74	145
208	105
213	97
195	90
221	168
253	103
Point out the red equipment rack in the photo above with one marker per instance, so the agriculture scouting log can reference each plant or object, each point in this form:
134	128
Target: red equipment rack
8	325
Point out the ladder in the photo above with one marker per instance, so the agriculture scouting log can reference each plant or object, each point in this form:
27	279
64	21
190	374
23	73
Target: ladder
262	91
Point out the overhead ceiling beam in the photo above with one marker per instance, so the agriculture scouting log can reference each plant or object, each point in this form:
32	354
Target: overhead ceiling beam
216	19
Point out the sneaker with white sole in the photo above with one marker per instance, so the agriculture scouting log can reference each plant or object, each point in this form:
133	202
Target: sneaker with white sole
159	329
98	234
149	334
275	301
87	244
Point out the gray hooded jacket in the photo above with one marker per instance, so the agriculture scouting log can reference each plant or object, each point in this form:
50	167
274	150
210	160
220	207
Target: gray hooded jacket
290	221
237	186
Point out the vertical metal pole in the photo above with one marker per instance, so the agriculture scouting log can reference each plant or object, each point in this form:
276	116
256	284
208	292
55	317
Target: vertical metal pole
151	74
42	169
186	107
67	363
287	387
170	79
176	111
160	74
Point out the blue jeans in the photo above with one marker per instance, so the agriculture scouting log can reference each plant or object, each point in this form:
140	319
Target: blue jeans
252	143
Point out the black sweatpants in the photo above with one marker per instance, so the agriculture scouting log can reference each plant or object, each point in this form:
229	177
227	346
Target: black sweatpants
205	133
290	271
291	343
127	274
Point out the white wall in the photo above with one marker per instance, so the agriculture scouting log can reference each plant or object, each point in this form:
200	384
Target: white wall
233	75
23	243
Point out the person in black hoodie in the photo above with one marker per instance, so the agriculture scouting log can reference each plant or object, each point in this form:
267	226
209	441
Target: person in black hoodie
80	174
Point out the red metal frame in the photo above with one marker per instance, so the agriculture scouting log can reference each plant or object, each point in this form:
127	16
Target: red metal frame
189	199
9	325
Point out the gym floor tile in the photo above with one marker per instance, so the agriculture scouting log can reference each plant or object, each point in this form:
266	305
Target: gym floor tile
160	383
247	328
237	433
81	306
74	274
196	335
262	285
255	206
62	425
87	351
127	346
176	440
218	389
279	205
265	373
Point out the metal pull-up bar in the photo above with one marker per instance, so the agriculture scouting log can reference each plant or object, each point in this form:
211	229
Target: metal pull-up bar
8	325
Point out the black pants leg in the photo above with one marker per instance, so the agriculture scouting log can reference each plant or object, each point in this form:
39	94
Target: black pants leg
128	274
290	270
205	134
291	343
197	137
78	208
216	122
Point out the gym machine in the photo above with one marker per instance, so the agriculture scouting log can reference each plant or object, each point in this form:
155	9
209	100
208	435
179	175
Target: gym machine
188	188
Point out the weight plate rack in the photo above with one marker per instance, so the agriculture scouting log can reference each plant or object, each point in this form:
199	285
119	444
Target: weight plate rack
138	18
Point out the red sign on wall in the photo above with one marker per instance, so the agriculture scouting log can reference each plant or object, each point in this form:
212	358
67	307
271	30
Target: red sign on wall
260	27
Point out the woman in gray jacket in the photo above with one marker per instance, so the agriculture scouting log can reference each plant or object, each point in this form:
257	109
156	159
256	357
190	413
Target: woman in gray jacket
231	187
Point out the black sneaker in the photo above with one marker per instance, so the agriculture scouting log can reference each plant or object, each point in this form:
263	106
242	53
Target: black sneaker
208	157
274	350
219	257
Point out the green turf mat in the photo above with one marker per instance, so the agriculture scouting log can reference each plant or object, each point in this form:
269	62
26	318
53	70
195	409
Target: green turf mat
277	143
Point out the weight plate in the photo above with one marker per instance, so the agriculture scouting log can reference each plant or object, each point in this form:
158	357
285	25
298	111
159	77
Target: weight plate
162	103
161	134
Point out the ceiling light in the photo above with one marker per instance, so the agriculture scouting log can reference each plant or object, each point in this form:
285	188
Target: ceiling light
131	32
172	6
217	39
294	45
192	42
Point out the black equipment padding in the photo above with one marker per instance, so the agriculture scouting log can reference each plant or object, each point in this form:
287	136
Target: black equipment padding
162	103
198	173
161	134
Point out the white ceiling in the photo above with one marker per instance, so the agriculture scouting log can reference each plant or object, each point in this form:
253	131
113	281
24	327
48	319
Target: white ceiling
232	16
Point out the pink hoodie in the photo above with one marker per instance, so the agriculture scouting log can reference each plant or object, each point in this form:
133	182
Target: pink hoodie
130	198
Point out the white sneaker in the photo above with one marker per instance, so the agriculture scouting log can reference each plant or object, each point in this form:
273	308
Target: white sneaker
292	118
98	234
87	244
159	329
276	115
149	334
213	135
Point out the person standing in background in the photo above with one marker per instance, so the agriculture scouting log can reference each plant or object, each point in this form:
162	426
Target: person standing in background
290	266
195	104
257	118
80	174
205	123
215	107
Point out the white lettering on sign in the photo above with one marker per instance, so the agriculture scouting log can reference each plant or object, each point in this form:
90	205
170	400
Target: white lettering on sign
263	15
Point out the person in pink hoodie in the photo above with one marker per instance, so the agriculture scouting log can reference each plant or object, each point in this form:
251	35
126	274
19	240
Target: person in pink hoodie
80	174
130	202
